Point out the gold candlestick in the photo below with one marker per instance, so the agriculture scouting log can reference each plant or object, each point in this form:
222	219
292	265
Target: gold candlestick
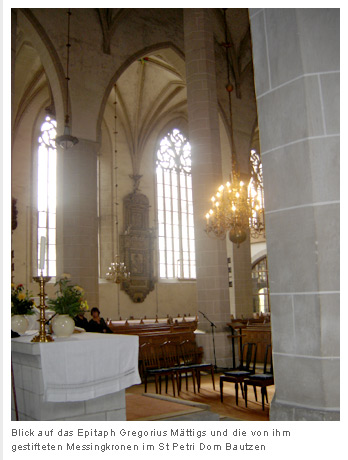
42	337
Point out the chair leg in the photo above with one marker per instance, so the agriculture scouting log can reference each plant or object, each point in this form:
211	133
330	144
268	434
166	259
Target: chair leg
145	382
236	389
221	389
266	394
178	382
263	397
212	377
241	387
156	384
246	394
198	375
255	392
194	381
173	384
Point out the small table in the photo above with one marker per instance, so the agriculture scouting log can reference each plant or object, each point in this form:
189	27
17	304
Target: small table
82	377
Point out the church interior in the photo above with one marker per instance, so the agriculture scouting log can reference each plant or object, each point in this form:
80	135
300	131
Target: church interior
125	123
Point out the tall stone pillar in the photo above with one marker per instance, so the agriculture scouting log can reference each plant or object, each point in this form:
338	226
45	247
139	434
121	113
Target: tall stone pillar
13	57
77	218
297	61
211	256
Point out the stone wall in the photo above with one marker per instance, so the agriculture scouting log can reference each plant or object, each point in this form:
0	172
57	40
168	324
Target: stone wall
296	60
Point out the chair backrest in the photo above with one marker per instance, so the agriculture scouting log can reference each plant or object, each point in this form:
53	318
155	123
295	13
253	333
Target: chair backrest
189	352
268	361
169	353
150	356
248	357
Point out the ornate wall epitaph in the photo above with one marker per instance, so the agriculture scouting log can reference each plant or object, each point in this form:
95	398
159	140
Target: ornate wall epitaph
137	246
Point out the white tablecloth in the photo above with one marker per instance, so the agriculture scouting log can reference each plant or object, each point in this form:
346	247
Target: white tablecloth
88	365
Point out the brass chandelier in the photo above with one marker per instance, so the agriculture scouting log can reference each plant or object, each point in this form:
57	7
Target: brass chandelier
237	206
117	272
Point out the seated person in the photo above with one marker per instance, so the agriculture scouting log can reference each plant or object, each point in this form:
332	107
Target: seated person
81	321
96	323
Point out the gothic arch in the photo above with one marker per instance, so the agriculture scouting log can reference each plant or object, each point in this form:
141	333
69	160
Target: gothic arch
49	58
136	56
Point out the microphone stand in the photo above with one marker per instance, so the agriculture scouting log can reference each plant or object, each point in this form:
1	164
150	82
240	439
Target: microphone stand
212	332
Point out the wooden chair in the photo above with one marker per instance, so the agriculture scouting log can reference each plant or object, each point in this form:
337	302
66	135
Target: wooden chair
150	356
172	360
246	367
261	380
190	356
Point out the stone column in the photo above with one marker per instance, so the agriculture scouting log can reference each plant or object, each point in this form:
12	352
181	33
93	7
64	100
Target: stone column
296	61
77	218
212	275
13	60
13	57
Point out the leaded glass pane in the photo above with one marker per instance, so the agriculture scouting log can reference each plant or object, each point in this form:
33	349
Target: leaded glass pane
174	183
46	194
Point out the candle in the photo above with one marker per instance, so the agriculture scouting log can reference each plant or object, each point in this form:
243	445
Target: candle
42	252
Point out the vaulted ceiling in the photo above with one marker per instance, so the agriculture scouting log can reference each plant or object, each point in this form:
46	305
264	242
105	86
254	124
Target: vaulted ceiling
153	87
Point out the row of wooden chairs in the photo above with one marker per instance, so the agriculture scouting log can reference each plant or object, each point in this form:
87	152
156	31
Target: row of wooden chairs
172	361
246	374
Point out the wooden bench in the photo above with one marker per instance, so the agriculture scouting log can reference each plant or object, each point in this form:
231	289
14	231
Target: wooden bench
177	329
158	331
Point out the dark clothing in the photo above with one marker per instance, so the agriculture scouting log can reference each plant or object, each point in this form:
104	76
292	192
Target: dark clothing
82	322
99	327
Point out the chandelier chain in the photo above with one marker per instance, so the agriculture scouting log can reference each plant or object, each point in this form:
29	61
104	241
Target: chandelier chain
237	207
117	271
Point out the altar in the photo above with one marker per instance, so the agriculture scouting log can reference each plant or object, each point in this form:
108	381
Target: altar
82	377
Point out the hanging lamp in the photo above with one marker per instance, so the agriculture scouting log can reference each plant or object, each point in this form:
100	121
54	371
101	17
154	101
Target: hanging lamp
236	207
117	272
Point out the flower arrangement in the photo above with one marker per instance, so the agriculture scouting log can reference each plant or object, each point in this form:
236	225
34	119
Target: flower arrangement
69	300
21	301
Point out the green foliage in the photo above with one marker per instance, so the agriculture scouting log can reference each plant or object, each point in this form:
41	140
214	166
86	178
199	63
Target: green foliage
69	300
21	301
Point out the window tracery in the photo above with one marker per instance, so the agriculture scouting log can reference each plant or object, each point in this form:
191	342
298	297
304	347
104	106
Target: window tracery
176	242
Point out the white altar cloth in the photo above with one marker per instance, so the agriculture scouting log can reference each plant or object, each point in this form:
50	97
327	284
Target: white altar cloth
87	365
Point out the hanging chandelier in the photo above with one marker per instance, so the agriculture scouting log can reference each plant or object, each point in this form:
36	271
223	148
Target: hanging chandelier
66	140
237	207
117	272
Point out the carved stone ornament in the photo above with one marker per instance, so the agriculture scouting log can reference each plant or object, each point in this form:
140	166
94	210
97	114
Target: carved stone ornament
136	246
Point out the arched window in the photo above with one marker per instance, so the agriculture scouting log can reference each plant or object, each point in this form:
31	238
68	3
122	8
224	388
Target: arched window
46	194
259	274
176	243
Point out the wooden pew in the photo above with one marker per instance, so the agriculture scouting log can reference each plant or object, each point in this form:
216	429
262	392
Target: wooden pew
158	331
149	330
